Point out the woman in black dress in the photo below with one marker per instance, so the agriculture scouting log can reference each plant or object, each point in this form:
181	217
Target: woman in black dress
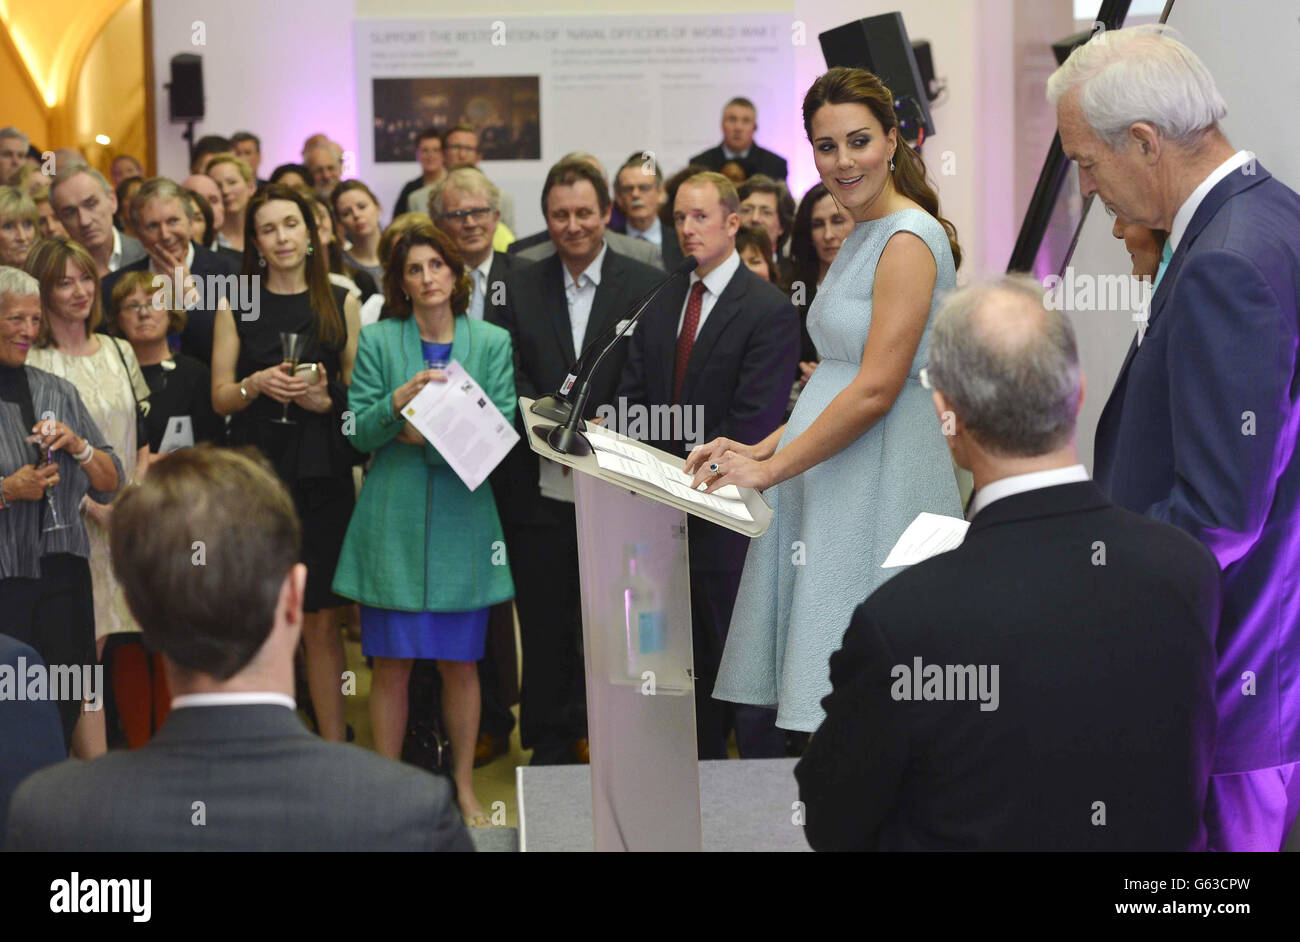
252	382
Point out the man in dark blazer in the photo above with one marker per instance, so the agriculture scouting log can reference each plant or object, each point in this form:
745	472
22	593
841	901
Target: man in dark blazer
739	122
31	733
233	767
164	218
720	347
1049	684
553	310
1200	430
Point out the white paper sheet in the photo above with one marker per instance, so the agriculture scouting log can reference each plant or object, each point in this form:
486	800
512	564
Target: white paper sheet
928	535
458	419
629	461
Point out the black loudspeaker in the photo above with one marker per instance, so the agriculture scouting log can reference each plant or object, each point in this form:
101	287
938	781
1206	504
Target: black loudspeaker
880	45
925	65
185	90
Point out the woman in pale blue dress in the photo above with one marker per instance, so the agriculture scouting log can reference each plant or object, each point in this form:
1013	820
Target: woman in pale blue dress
863	452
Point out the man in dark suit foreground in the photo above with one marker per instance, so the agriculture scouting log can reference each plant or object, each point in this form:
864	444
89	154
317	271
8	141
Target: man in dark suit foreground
553	310
1047	685
714	352
206	549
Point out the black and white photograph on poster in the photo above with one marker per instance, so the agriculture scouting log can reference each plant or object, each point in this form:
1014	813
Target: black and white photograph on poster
504	109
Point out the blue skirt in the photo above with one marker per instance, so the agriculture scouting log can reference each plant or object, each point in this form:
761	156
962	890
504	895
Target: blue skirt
445	636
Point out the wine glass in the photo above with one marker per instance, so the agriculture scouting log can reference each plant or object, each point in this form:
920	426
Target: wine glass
291	346
55	525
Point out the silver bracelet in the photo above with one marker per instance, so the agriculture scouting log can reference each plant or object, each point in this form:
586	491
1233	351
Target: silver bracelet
84	456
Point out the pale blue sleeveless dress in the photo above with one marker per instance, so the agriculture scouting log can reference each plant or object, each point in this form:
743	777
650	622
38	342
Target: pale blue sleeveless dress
834	524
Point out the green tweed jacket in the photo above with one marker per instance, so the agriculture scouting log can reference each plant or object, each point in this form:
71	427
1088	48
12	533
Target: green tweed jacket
419	540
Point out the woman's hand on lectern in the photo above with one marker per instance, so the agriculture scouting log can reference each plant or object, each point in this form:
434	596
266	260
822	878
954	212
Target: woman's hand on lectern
704	455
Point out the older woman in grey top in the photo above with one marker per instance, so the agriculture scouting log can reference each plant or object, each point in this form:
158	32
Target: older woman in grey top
45	588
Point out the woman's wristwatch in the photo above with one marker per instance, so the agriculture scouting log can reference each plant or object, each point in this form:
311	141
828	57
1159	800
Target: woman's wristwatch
243	389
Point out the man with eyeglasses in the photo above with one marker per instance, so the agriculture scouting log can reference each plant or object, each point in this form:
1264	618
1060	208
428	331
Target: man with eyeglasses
639	193
466	206
460	149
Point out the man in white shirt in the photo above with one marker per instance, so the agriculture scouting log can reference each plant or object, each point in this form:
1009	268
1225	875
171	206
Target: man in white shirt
85	203
1200	430
1049	683
554	309
207	550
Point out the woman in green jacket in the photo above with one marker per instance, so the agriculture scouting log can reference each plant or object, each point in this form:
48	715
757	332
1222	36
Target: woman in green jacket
424	555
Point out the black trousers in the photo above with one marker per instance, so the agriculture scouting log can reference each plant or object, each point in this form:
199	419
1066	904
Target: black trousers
553	697
55	614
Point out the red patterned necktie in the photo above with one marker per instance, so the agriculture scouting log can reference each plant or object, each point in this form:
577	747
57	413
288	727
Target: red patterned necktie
686	339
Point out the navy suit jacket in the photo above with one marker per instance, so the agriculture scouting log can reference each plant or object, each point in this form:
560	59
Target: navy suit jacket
1200	431
31	733
196	338
737	380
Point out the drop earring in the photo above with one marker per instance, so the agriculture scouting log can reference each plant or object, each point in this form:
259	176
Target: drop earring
891	164
309	250
261	261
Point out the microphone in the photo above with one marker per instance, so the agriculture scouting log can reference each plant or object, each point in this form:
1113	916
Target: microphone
557	407
565	438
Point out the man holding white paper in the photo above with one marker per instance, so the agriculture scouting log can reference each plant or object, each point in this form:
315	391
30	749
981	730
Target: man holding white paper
1096	626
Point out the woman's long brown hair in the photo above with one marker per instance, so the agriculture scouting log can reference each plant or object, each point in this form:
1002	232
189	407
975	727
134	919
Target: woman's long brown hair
330	327
845	86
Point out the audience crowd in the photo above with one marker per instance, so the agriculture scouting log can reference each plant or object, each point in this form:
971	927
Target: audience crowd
226	357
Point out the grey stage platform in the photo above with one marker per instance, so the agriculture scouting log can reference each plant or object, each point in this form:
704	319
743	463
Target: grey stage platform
745	805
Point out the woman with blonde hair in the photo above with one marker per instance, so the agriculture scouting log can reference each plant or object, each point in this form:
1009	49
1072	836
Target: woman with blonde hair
234	177
862	454
18	225
106	375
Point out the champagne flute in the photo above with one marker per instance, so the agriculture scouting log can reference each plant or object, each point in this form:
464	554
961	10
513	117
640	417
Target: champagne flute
55	525
291	347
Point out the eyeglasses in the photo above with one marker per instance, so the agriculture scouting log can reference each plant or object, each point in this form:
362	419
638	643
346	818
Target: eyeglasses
135	308
479	214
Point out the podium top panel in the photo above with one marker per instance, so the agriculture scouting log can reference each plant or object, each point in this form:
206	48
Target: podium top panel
538	426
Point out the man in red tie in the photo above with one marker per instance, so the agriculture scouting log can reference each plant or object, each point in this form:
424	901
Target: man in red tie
720	351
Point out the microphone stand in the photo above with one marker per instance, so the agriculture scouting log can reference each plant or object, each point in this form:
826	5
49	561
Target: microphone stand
566	439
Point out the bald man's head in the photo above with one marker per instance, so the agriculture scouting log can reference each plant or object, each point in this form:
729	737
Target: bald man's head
1008	366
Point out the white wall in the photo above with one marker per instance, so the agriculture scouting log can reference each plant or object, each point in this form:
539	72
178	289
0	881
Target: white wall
279	68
